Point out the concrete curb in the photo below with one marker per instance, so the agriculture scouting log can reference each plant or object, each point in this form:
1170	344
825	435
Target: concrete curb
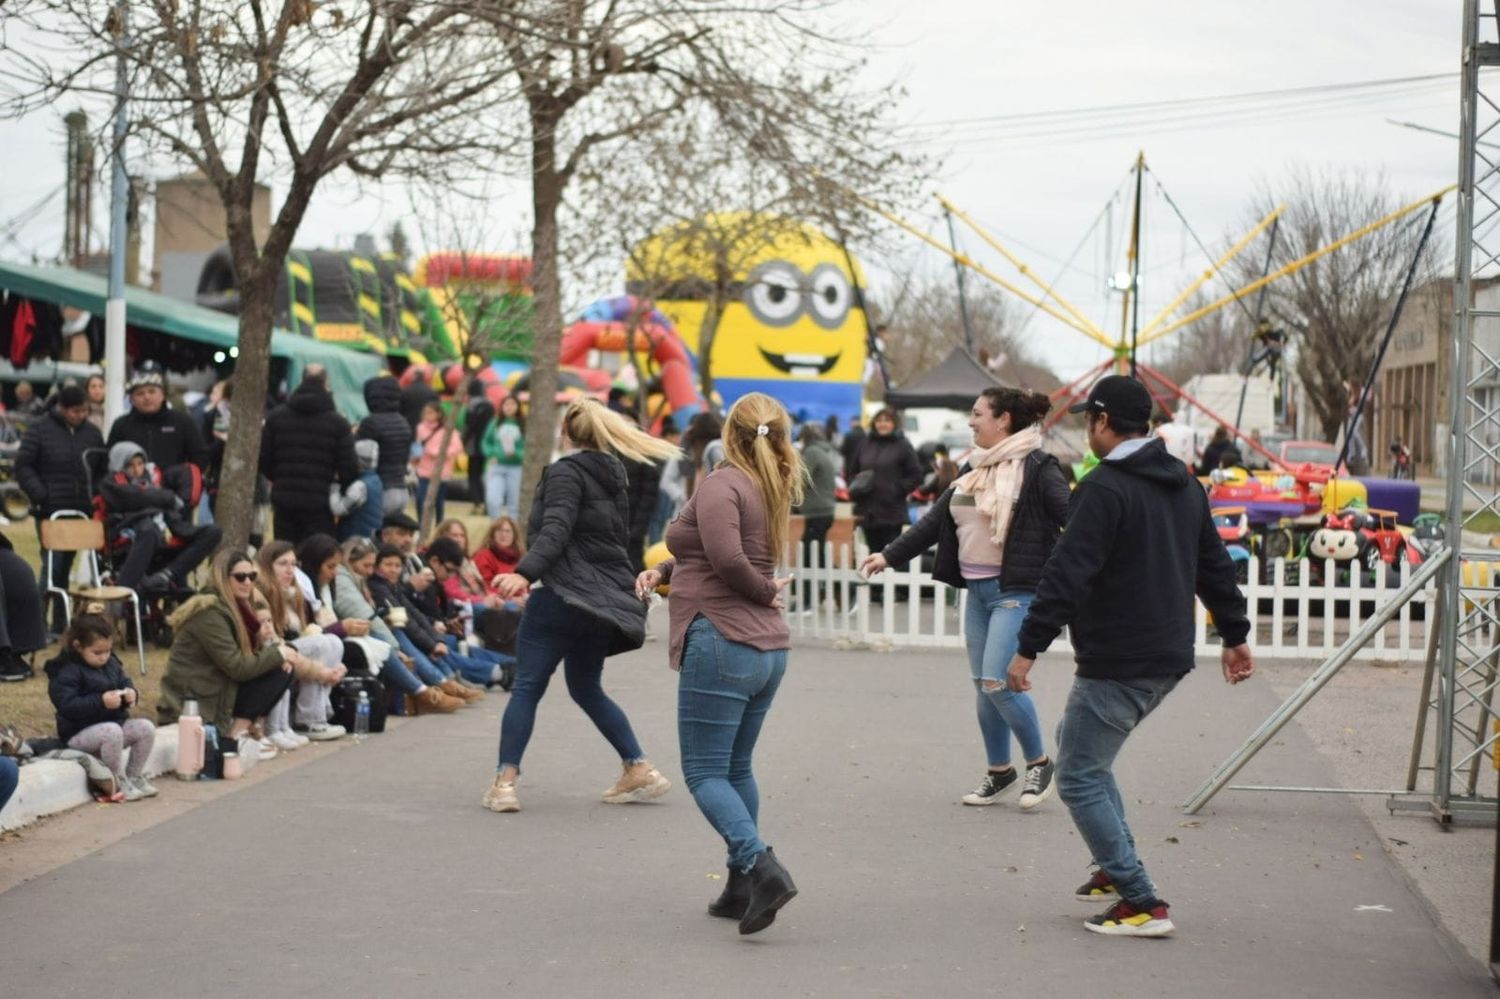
51	786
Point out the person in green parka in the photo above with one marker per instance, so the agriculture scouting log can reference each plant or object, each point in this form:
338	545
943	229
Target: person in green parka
216	659
504	449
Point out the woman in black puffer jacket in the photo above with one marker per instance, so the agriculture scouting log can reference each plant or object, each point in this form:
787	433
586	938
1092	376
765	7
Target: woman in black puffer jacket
994	529
387	427
586	608
892	459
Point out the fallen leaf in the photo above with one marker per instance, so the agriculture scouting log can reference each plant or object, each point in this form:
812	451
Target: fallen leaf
1190	824
1173	839
1358	855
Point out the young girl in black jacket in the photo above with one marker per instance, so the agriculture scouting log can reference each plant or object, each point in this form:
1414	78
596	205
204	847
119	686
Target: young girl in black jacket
994	528
93	697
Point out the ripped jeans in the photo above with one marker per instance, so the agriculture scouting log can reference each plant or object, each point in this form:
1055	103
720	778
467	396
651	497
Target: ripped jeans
992	621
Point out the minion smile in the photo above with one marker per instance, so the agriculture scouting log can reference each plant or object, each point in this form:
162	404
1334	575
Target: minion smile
801	365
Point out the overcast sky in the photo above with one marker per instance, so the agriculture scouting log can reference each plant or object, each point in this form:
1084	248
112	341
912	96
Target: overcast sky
963	60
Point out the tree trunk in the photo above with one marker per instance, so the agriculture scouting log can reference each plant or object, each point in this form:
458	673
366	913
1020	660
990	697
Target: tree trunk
235	512
541	420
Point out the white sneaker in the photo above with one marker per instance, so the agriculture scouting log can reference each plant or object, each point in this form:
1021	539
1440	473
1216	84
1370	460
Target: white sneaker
267	749
250	753
284	741
128	789
325	732
301	739
141	784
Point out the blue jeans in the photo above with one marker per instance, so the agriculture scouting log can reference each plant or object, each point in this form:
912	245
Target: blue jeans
442	492
479	665
429	671
10	776
991	623
723	693
502	490
393	673
552	632
1099	717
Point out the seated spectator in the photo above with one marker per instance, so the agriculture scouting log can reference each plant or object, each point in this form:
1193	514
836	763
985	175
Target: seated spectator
400	529
501	552
466	585
215	660
493	618
22	628
147	513
93	696
352	599
297	624
416	634
358	506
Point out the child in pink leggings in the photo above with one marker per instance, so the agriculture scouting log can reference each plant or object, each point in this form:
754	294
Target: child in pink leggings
93	697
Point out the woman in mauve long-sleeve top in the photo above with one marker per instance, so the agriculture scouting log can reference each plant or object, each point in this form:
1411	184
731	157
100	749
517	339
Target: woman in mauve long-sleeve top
729	640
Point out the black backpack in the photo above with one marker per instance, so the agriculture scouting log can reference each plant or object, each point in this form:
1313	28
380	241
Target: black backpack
345	701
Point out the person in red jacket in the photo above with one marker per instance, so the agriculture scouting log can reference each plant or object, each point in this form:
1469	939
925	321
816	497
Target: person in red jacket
502	551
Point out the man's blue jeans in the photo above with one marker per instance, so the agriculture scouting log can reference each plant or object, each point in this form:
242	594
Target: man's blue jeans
1099	717
723	693
479	665
431	671
552	633
992	620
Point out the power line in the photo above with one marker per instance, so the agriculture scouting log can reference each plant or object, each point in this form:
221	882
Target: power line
1182	102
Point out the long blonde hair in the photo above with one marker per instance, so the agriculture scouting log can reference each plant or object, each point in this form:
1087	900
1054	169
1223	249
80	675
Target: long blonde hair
223	562
590	424
768	458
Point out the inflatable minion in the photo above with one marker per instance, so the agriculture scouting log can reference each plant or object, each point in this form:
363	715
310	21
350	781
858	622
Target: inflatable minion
793	323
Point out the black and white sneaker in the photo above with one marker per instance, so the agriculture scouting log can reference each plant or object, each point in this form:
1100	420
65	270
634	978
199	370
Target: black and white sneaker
14	669
1037	787
995	784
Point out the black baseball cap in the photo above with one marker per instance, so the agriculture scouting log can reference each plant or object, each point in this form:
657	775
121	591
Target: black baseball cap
1121	397
401	520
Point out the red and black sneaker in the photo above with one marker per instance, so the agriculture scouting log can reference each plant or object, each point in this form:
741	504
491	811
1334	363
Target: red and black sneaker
1098	888
1149	919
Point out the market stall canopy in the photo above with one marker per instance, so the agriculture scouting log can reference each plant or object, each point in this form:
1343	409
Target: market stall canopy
348	370
953	384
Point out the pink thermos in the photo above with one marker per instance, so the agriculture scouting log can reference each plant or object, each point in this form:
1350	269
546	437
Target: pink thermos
189	742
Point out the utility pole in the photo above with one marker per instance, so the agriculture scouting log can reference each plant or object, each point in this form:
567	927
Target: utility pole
114	309
1132	309
958	273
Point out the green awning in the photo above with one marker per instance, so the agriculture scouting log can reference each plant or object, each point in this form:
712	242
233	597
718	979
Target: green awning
348	370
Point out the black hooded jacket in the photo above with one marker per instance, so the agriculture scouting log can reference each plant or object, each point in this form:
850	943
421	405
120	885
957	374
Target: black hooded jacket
50	463
77	692
1138	546
577	533
894	462
305	445
387	427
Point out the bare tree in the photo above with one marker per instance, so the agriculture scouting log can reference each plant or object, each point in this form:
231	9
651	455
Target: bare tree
1341	302
245	91
925	323
598	77
1217	343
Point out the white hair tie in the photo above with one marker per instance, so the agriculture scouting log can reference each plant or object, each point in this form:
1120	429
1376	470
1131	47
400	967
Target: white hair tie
762	430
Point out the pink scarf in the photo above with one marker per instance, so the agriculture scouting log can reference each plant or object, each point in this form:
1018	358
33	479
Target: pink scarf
994	479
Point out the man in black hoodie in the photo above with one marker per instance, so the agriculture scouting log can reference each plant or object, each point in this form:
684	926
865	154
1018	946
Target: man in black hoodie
1138	547
305	446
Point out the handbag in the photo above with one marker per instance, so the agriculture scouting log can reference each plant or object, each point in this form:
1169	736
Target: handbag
862	486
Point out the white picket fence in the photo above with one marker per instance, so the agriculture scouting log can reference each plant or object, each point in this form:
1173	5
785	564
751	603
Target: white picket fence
1292	620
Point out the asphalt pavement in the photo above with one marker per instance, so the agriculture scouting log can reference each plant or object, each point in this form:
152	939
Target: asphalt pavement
375	872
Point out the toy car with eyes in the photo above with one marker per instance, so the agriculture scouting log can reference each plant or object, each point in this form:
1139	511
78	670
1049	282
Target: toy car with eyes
1233	526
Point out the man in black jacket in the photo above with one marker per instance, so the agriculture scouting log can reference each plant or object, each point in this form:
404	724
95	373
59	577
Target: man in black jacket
170	437
50	469
306	445
1138	547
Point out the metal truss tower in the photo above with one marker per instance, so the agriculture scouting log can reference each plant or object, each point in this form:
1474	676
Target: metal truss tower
1458	710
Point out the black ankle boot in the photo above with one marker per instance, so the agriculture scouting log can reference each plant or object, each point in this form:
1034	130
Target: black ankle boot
732	902
507	678
770	888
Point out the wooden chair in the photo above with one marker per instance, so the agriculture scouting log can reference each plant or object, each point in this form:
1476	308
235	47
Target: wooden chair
76	532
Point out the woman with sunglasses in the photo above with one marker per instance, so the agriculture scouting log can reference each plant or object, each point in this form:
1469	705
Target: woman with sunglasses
215	660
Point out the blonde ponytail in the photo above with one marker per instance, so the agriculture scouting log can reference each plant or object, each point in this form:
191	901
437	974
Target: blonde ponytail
758	441
589	424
